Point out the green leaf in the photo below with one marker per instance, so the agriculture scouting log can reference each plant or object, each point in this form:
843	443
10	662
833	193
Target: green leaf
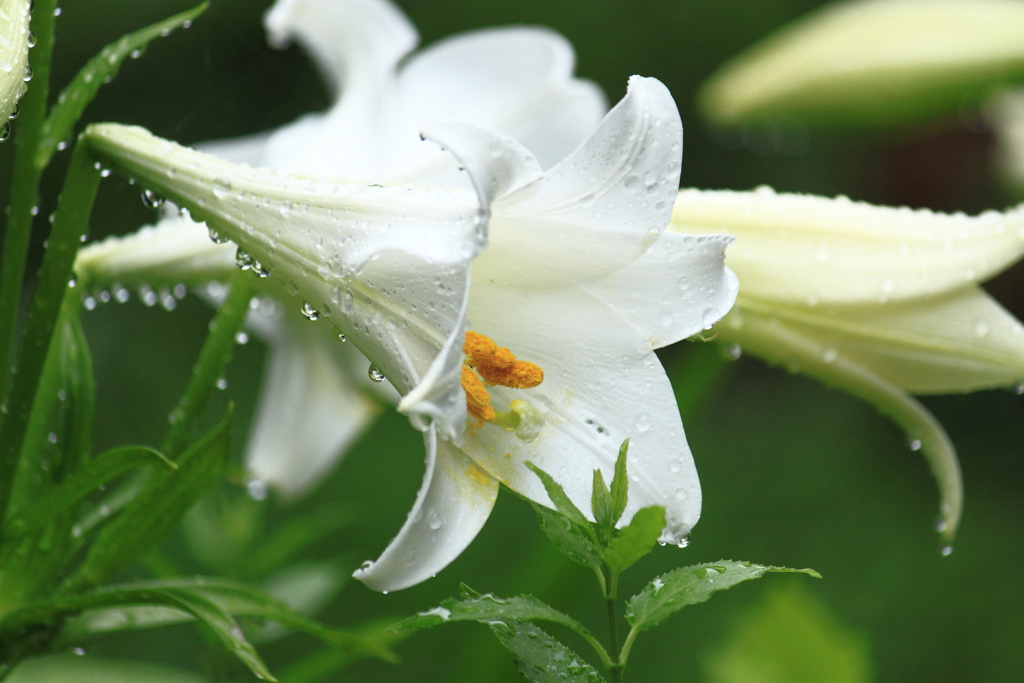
620	484
601	504
541	658
491	610
671	592
295	534
792	637
155	510
635	540
99	70
326	662
72	668
571	540
104	468
192	602
559	497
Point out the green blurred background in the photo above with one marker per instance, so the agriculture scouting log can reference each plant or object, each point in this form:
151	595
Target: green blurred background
793	474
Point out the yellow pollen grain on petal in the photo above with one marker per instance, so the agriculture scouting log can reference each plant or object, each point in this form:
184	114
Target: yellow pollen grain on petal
474	473
478	401
478	347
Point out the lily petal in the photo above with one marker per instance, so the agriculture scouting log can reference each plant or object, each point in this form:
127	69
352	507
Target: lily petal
14	19
354	42
396	290
309	410
599	209
516	80
675	290
777	342
873	63
808	250
451	507
602	384
964	341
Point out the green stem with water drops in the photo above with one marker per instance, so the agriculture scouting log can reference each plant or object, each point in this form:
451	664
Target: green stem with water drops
213	358
70	224
24	186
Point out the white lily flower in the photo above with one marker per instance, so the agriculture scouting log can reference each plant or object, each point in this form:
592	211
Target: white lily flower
569	267
872	63
879	301
516	80
14	17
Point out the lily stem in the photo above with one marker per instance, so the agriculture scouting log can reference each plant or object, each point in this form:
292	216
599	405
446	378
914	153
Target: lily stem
214	356
611	581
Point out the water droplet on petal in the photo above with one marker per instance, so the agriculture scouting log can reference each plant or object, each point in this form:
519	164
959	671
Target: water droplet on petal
375	374
152	200
309	312
711	316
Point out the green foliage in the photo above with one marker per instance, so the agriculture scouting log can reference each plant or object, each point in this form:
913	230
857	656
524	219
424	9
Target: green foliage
571	539
636	539
792	637
155	510
541	658
669	593
76	669
72	490
491	610
73	100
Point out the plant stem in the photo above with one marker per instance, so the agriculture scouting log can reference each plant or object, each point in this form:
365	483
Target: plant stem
214	356
24	186
611	580
69	227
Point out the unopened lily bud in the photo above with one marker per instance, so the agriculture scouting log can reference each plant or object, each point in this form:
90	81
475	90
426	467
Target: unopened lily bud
872	63
14	44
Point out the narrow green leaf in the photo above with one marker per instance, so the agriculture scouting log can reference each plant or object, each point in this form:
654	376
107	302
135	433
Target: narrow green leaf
70	225
572	541
601	504
635	540
104	468
620	484
542	659
293	535
155	510
320	665
558	496
671	592
73	100
205	610
70	667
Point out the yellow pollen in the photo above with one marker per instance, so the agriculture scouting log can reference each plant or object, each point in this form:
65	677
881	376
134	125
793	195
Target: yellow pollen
478	401
499	366
476	475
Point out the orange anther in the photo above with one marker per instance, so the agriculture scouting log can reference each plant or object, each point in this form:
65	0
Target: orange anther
478	401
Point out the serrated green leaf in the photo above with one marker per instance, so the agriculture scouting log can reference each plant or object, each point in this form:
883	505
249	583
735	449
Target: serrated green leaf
73	100
620	484
559	497
542	659
636	539
104	468
601	505
155	510
572	541
489	609
669	593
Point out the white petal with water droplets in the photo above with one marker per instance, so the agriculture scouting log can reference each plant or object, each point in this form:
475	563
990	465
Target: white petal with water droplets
808	250
599	209
451	507
14	20
602	384
964	341
309	410
675	290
